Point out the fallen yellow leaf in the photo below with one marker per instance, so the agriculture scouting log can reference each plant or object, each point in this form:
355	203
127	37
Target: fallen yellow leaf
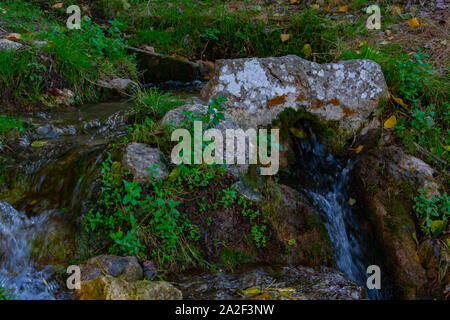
307	50
399	101
363	43
58	5
264	296
391	38
446	148
285	37
343	8
390	123
359	149
413	23
388	32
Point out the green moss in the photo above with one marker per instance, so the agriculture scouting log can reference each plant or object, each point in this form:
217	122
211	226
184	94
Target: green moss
232	258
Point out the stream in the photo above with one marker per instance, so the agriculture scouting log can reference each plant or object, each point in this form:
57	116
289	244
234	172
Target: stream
325	181
50	188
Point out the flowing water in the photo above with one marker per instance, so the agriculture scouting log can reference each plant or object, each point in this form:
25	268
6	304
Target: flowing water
51	187
56	181
326	182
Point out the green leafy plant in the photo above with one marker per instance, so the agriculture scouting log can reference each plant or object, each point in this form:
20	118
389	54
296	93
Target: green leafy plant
228	197
433	213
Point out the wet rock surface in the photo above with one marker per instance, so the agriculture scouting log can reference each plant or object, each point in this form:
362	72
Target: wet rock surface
257	90
323	284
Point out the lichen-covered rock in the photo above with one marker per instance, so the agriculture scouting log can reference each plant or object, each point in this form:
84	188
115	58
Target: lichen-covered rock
140	158
9	45
109	288
57	98
257	90
127	268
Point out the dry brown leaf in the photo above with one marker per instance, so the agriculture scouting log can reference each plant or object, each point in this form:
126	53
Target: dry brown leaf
58	5
294	1
343	8
396	10
399	101
390	123
413	23
285	37
13	37
315	6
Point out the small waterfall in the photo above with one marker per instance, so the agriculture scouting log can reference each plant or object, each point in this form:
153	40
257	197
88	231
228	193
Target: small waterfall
18	269
326	182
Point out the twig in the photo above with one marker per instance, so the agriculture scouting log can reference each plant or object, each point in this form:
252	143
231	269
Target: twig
429	154
101	269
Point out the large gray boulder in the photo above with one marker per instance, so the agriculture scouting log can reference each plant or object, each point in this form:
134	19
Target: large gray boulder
257	90
9	45
139	157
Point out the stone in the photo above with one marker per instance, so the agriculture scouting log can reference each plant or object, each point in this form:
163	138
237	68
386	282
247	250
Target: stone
122	86
247	190
307	283
10	45
258	89
386	180
161	68
57	97
175	117
206	68
127	268
109	288
138	157
412	170
48	131
298	226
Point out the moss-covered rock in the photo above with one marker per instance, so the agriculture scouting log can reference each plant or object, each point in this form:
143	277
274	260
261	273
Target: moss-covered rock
109	288
297	226
387	182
